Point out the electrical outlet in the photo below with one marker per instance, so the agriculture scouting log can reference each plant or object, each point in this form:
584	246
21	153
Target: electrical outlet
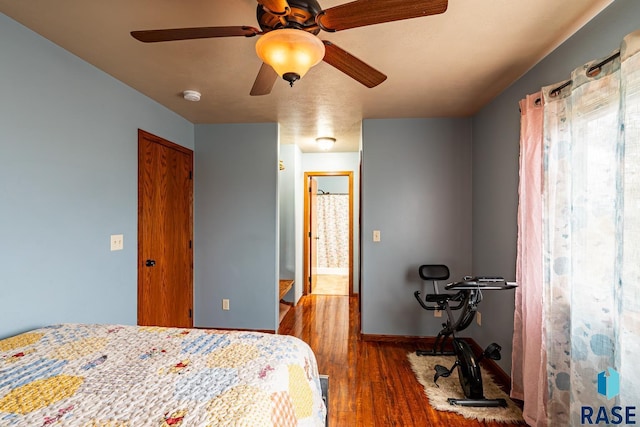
225	304
117	242
479	318
437	313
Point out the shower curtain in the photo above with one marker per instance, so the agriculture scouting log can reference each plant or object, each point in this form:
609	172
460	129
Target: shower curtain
589	260
333	230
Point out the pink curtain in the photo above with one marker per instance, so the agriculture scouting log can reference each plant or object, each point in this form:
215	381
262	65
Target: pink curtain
528	376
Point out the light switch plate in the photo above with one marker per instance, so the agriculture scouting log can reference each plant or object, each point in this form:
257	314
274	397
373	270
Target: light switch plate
376	235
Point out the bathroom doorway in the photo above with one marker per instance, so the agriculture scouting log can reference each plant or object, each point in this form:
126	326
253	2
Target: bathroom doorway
328	219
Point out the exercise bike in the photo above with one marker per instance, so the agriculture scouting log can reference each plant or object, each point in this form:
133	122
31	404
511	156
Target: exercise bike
466	298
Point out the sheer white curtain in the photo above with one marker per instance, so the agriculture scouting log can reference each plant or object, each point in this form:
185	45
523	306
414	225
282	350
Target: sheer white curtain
628	291
590	268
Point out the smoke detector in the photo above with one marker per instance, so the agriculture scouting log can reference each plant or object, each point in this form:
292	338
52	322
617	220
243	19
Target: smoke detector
191	95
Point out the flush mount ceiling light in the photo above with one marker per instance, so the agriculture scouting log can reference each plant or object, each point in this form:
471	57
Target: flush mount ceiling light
325	142
191	95
290	52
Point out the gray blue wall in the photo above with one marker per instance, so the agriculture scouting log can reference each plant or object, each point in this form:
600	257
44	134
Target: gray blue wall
287	198
333	184
416	189
68	180
236	225
496	131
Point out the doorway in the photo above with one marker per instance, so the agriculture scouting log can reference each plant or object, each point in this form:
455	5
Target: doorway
328	233
165	230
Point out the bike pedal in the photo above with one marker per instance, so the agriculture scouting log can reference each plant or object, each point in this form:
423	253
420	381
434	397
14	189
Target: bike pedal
442	371
493	352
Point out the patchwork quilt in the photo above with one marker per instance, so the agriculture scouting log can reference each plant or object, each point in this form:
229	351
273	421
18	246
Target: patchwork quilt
130	376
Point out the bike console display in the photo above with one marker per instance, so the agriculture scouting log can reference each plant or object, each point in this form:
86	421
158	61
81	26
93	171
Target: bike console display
489	283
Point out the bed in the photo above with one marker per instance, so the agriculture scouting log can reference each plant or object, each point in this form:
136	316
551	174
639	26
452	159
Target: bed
116	375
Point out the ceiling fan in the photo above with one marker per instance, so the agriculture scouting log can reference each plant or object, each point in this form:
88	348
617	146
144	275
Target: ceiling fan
293	26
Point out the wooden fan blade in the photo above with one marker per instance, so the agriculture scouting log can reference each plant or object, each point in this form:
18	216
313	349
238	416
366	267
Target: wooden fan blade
352	66
276	7
265	80
152	36
369	12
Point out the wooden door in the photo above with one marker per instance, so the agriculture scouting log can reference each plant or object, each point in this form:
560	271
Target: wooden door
165	229
313	233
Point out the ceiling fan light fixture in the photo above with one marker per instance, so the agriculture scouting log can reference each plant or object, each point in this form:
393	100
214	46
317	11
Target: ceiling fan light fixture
325	142
290	52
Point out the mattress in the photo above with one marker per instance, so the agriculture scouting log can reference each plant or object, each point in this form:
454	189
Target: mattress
115	375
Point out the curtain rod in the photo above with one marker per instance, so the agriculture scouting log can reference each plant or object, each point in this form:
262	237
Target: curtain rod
555	92
591	72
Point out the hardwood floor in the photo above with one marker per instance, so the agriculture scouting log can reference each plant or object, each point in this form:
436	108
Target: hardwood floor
370	383
331	284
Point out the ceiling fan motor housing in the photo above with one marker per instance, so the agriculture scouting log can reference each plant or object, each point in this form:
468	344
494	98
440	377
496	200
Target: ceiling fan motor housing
302	16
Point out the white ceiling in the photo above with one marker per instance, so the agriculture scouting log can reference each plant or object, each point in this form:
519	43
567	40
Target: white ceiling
438	66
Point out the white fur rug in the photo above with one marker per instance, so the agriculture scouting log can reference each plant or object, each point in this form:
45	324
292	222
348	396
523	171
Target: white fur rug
423	367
